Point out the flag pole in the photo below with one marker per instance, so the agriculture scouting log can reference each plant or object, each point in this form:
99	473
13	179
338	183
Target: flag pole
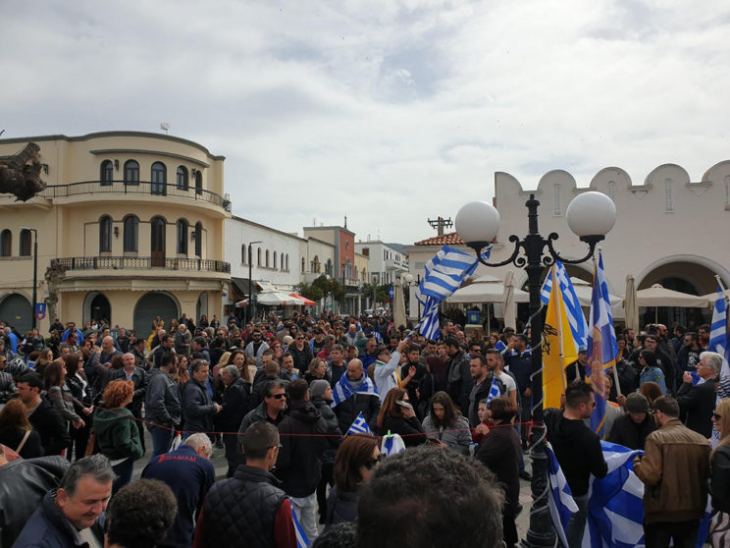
553	274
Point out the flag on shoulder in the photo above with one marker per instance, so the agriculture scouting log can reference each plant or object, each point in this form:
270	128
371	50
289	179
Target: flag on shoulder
343	390
559	347
359	426
602	346
494	391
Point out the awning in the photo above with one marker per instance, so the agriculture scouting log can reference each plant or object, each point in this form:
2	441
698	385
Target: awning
277	298
241	285
307	302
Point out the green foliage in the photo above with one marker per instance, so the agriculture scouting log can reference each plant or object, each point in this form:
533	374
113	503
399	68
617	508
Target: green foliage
382	295
323	287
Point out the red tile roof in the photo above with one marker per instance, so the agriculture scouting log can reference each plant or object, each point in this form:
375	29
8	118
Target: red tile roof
452	238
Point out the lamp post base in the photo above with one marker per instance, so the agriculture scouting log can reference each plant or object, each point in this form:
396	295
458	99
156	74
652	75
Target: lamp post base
541	532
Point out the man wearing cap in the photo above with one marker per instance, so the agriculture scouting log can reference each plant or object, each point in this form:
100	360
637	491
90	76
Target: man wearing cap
632	429
385	367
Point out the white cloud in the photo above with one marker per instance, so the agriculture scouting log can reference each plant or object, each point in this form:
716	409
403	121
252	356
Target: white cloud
387	112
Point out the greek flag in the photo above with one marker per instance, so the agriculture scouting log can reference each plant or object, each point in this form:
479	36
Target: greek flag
494	391
392	445
719	340
302	540
442	275
359	426
615	506
576	318
344	391
602	345
615	503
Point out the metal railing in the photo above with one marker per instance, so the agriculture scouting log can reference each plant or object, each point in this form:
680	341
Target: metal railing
141	263
142	187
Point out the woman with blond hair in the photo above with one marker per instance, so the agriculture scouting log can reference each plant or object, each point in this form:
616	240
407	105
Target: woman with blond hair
117	435
720	478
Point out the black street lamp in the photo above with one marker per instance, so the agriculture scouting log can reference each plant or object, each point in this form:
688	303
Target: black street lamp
251	305
35	274
590	215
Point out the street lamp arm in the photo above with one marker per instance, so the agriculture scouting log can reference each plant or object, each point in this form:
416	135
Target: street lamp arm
592	241
478	246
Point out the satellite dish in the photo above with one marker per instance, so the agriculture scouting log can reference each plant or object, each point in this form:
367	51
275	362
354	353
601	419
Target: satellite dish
164	126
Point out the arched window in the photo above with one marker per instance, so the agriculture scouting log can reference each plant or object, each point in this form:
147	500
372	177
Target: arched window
267	258
131	172
182	237
25	243
182	178
274	260
105	234
198	182
106	175
258	257
198	239
158	179
6	243
131	234
243	253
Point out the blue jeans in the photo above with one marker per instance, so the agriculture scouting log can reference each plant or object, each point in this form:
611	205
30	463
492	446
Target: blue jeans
577	524
161	438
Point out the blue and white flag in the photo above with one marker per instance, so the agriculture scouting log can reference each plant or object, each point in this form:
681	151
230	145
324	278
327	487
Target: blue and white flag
615	503
576	318
302	540
719	341
359	426
443	275
343	390
392	445
602	345
494	391
561	504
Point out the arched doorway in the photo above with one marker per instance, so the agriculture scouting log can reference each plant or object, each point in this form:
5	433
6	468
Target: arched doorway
97	307
201	307
151	305
17	311
685	277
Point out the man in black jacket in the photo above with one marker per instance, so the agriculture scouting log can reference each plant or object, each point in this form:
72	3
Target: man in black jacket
42	415
632	429
578	450
236	403
303	442
459	379
482	385
366	403
249	509
697	402
199	409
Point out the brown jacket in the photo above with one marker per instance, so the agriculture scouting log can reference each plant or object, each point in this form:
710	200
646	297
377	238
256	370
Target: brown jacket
674	469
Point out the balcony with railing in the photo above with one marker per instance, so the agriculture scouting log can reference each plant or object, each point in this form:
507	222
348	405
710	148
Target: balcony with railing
141	263
138	190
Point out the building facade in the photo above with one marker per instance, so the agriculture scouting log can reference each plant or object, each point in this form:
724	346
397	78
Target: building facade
668	229
130	227
384	262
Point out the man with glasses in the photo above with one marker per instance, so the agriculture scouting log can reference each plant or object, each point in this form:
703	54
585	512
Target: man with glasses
270	410
675	468
304	441
578	450
249	509
256	348
301	352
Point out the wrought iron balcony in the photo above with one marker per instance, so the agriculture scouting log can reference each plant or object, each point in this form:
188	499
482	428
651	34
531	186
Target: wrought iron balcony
136	189
140	263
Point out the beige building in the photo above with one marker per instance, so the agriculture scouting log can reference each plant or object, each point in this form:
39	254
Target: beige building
129	228
669	230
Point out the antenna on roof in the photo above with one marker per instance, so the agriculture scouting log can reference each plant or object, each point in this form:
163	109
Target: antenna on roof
440	223
164	126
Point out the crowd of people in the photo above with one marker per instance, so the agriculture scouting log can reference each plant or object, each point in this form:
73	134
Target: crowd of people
298	407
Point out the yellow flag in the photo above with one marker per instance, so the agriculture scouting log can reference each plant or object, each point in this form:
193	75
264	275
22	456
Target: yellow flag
559	349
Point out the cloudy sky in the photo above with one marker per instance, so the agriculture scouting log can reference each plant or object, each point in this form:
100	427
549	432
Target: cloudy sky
387	111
